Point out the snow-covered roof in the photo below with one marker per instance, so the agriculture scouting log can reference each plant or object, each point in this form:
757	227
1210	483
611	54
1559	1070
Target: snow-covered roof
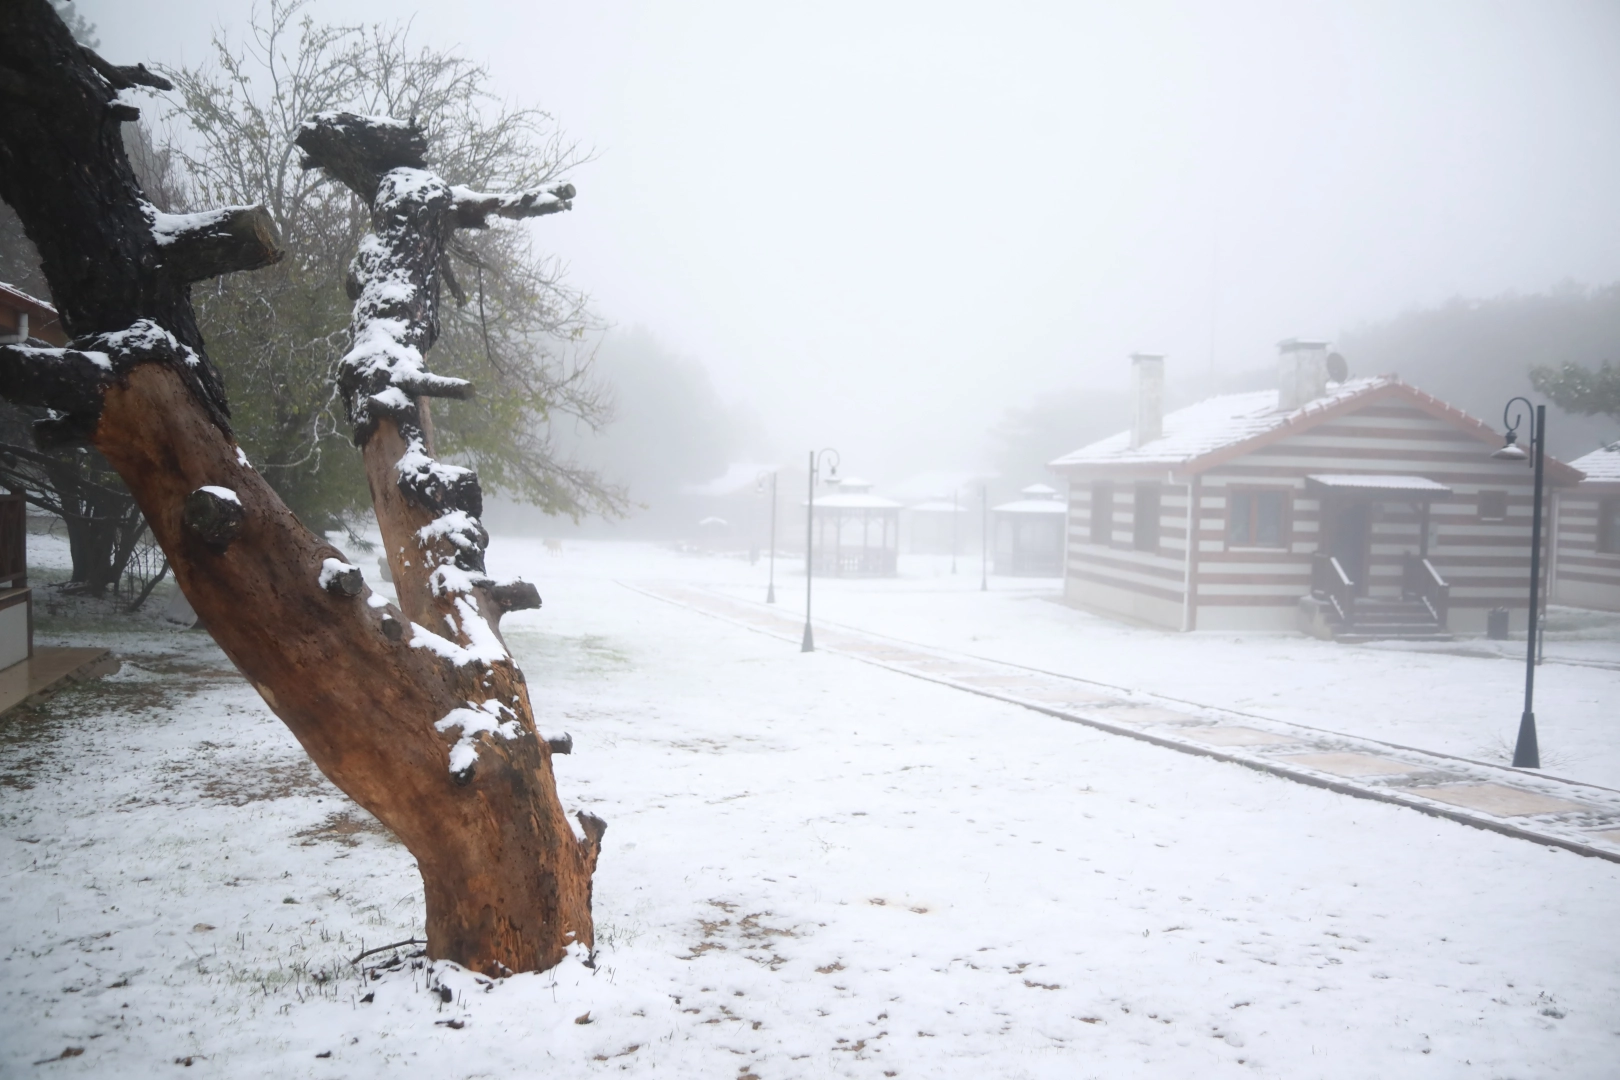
1378	482
1039	491
1033	506
31	304
1213	424
854	500
1601	466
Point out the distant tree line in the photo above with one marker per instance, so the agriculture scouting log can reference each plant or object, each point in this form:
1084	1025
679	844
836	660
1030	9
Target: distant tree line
1476	354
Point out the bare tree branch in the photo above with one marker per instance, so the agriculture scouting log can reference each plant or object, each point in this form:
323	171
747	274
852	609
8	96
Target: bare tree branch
471	209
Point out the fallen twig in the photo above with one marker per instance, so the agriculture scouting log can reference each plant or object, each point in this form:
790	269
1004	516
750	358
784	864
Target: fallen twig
385	948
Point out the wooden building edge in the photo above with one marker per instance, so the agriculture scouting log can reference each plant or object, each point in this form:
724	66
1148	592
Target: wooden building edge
1586	525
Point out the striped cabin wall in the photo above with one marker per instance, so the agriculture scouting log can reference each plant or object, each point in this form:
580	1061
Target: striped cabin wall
1583	576
1251	587
1487	563
1115	578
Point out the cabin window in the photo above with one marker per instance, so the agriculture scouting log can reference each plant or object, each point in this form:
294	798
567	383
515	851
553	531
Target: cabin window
1608	536
1256	519
1102	512
1145	519
1493	506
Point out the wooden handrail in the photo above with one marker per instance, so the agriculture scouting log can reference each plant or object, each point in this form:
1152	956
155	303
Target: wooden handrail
1329	582
1421	581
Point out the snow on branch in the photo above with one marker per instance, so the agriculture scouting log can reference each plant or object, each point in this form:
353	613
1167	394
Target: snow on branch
71	382
487	718
471	209
67	380
395	280
195	247
340	578
395	317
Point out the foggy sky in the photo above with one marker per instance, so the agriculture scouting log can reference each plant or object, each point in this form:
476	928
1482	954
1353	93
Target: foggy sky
880	223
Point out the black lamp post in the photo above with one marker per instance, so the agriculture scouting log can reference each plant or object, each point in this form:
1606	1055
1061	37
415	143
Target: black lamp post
770	589
1526	754
809	643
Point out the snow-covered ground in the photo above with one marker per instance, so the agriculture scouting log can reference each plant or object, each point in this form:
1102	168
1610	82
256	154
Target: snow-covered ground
814	867
1462	698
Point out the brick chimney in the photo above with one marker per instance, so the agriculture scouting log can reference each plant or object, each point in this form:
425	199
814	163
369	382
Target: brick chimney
1302	373
1147	398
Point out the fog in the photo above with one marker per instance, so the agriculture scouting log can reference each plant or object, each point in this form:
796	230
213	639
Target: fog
879	227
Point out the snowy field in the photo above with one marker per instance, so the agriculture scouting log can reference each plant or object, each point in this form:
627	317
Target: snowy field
1462	698
815	867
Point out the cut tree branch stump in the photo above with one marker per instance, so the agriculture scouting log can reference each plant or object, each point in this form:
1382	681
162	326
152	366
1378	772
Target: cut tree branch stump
195	247
215	514
515	595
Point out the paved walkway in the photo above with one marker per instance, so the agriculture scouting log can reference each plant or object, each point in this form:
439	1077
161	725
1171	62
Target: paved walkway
1579	817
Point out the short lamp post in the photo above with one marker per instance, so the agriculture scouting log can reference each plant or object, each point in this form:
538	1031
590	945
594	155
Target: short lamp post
955	529
984	538
1526	753
770	589
809	642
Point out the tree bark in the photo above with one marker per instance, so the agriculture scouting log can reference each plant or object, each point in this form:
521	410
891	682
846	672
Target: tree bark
419	715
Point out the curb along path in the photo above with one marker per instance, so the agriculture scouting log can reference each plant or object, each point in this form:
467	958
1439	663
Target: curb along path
1578	817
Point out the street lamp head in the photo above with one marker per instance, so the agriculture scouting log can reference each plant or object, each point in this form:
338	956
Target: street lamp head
1511	450
1511	418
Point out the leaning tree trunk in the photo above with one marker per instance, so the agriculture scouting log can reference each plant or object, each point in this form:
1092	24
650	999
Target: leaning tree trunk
419	714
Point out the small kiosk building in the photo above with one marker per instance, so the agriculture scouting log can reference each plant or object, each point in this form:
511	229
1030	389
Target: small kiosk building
1029	533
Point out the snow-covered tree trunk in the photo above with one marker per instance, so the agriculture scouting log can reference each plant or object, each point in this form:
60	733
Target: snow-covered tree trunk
416	711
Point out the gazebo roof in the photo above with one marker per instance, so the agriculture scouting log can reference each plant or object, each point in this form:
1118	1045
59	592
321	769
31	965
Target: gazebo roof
1032	506
854	500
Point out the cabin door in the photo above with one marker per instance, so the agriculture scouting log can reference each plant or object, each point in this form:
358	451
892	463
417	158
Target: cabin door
1348	540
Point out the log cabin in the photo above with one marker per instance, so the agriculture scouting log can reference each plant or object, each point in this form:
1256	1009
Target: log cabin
1586	549
1349	508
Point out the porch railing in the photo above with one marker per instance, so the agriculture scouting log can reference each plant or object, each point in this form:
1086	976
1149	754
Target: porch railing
1329	582
1421	581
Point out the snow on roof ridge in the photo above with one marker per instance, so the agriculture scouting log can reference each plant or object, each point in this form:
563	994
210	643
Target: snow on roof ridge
1215	423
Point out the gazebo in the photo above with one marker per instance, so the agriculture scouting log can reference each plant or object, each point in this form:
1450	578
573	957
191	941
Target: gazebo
857	534
1029	533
